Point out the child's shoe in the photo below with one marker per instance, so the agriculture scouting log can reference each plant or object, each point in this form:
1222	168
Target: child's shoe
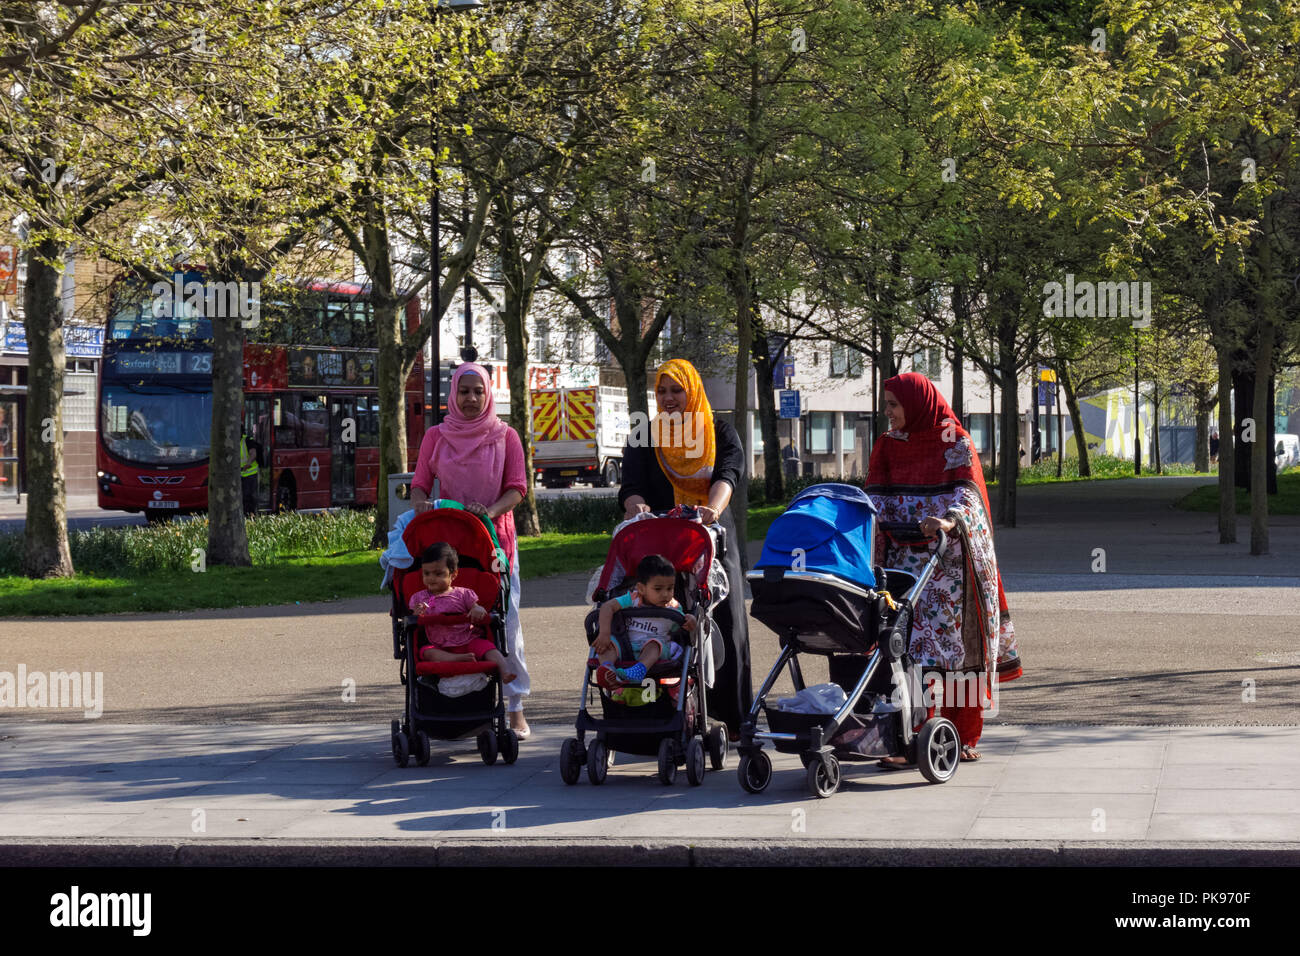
633	675
607	677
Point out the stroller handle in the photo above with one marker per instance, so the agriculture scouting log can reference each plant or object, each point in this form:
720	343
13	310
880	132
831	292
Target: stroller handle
910	533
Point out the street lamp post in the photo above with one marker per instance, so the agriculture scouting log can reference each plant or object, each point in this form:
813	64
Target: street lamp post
435	240
467	353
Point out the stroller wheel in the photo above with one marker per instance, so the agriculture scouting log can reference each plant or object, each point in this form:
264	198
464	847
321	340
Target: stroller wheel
423	748
716	741
508	744
487	747
755	771
938	750
597	762
695	761
571	760
823	775
401	749
667	761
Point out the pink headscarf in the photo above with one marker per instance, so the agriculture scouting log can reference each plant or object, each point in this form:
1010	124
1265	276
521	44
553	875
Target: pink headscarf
470	457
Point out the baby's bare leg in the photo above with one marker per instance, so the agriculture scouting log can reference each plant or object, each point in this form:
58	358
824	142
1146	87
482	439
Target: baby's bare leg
650	654
432	653
503	666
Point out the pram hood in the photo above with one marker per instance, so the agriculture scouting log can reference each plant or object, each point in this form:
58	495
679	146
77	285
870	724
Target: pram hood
828	528
689	545
483	563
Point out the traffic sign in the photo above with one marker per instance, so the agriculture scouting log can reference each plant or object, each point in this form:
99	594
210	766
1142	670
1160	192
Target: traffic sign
789	403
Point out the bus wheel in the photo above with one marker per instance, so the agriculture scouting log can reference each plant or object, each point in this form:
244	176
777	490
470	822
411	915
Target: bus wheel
285	499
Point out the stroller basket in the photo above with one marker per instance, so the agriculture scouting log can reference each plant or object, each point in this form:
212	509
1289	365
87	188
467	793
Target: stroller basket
860	735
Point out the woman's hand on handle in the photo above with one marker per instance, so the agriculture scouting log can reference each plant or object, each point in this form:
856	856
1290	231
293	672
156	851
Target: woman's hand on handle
419	499
932	526
634	506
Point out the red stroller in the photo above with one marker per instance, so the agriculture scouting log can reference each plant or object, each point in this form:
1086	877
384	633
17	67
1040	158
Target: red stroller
672	725
429	713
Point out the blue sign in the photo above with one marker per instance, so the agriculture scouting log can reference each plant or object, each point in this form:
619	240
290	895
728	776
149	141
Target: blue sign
79	341
789	403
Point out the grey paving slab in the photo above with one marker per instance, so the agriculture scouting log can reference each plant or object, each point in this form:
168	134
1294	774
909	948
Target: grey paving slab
1076	780
1232	776
57	825
311	784
1076	806
1227	801
1225	826
213	824
1056	828
1104	756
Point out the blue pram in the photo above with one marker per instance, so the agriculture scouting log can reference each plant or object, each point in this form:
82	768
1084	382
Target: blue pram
816	587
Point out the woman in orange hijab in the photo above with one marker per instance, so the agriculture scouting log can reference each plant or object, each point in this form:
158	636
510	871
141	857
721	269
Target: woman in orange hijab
693	458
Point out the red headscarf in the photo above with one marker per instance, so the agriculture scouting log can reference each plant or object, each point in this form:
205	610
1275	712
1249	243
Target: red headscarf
928	454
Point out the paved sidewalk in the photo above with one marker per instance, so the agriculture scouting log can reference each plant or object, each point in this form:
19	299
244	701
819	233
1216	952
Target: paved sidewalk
102	793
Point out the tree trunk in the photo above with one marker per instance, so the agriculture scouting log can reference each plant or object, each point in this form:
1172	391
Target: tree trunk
227	534
1010	423
45	534
1261	450
513	318
1227	450
889	370
391	372
993	427
744	345
959	353
773	478
1201	398
1076	419
1155	430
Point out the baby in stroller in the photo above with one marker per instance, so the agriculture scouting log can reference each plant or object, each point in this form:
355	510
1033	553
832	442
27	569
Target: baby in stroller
651	639
456	641
653	704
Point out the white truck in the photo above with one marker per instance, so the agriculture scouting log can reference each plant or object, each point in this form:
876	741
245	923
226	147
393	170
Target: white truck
579	434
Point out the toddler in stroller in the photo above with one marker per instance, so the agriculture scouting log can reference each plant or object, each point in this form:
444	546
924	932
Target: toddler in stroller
453	665
652	687
649	640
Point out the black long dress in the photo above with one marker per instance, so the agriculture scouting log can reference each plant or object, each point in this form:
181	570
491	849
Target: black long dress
732	692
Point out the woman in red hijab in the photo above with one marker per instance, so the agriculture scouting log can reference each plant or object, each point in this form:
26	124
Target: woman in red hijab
925	469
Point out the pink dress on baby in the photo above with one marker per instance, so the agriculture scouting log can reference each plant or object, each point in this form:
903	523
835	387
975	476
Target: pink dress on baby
454	601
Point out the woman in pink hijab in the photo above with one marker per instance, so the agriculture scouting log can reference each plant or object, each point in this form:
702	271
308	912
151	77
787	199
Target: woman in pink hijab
479	461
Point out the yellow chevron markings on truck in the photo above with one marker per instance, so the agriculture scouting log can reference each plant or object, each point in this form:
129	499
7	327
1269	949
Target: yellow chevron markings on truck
582	413
546	416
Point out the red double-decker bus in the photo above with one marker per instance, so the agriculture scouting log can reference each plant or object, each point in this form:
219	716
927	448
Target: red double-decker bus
313	405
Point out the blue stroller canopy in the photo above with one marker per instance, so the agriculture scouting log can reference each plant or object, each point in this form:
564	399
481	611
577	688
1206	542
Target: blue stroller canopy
831	526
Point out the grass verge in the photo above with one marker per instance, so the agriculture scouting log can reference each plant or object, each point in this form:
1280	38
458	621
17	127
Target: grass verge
1285	502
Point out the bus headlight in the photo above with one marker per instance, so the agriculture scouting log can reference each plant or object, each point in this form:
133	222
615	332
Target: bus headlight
109	477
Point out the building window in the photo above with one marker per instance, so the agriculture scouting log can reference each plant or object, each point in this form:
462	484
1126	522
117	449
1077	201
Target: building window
849	436
845	362
977	424
819	435
928	362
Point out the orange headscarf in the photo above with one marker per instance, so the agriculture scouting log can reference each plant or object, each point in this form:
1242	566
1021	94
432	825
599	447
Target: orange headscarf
685	443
